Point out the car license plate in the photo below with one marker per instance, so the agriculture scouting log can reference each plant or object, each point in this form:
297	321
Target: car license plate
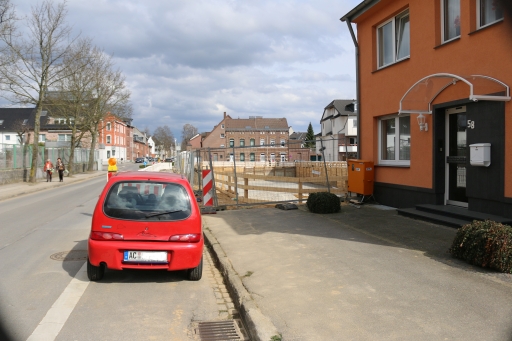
146	256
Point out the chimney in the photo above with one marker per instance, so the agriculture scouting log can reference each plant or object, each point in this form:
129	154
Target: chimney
224	114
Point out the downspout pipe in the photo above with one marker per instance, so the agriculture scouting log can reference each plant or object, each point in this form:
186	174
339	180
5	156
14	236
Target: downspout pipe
358	86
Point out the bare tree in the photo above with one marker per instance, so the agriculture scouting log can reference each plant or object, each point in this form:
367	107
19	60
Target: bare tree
72	95
109	97
164	138
188	132
22	129
33	64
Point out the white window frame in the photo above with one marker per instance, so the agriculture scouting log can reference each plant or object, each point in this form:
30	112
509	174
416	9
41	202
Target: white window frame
443	22
396	161
109	139
42	138
262	142
67	137
222	135
395	35
479	14
109	126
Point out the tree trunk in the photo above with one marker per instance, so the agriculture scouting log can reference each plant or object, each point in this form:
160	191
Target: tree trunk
94	133
35	144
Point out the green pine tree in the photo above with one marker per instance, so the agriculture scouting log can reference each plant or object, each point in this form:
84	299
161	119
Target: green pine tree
310	137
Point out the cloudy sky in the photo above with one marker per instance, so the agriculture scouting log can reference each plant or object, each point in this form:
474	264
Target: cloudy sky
189	61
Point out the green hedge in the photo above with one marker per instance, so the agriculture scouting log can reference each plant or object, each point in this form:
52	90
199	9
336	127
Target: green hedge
484	243
323	202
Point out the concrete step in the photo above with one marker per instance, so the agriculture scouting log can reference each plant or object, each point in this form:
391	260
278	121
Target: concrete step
461	213
432	217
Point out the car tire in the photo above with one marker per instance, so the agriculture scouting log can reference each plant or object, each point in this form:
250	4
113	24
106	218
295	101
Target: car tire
95	273
196	273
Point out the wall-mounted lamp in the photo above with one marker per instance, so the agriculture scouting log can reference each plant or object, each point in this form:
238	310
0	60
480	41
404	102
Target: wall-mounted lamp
422	123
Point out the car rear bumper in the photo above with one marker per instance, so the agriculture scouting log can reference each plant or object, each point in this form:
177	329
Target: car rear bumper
180	256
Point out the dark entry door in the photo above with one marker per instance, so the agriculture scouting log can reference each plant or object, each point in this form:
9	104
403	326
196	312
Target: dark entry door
456	158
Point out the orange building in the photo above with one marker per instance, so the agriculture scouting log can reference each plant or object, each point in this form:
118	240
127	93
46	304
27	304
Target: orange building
433	83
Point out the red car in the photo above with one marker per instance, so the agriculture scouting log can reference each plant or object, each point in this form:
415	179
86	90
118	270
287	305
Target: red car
146	220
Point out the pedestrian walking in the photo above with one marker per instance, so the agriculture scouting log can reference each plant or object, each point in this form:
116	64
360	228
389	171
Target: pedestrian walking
60	168
48	168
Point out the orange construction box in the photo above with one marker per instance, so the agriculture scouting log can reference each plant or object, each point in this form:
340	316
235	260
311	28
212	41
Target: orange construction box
360	177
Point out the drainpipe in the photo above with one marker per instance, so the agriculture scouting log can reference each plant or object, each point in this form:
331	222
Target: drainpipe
358	89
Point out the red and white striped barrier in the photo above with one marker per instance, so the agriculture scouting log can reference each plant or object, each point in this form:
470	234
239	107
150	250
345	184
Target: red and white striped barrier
207	187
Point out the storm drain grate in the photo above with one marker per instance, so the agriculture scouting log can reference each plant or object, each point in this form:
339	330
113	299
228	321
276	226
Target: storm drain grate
73	255
229	330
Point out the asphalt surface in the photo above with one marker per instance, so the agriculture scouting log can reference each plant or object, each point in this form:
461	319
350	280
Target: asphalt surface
362	274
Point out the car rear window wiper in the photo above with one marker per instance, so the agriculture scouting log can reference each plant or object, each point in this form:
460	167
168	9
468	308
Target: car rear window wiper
161	213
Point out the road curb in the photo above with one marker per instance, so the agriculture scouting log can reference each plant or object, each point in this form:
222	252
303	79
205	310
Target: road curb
33	188
259	326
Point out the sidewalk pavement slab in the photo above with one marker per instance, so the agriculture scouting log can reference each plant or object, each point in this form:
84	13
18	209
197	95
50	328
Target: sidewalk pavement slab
21	188
362	274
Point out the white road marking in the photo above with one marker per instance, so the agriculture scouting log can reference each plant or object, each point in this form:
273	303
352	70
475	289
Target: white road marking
52	323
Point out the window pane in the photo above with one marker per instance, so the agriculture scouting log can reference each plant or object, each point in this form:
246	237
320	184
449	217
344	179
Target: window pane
386	44
388	140
490	11
451	19
242	157
405	137
403	39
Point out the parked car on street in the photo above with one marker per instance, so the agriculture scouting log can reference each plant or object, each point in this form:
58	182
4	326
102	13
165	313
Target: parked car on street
139	160
146	220
168	159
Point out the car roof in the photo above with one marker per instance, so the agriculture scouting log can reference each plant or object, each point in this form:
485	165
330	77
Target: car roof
149	176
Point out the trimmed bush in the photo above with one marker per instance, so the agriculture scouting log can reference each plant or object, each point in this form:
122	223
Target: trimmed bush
484	243
323	202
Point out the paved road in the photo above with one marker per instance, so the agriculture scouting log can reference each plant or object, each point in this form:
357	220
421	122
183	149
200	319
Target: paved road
129	305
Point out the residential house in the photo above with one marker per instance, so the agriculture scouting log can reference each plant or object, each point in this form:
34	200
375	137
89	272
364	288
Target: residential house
112	135
13	123
252	139
140	144
297	150
338	131
434	104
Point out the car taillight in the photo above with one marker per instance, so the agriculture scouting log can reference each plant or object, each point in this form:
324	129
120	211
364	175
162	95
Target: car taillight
186	238
106	236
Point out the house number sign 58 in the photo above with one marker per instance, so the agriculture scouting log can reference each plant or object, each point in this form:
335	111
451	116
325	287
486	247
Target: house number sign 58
471	124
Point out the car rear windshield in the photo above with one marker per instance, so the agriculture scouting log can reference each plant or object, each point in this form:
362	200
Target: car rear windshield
153	201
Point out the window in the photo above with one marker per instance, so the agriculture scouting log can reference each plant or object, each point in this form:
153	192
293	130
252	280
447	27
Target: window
108	154
222	135
252	157
393	40
231	142
7	137
222	126
242	142
450	11
109	126
64	137
222	146
25	121
262	157
242	157
113	152
1	122
489	11
282	143
42	138
262	142
395	144
272	142
108	138
252	142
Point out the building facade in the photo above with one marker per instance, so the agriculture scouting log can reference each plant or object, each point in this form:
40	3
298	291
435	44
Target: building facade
433	88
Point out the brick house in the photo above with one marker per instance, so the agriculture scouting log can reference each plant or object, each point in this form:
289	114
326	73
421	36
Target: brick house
249	140
433	93
112	136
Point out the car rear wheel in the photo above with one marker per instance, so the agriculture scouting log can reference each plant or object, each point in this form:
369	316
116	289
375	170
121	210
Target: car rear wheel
95	273
196	273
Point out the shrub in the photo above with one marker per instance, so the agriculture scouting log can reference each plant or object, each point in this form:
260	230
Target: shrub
484	243
323	202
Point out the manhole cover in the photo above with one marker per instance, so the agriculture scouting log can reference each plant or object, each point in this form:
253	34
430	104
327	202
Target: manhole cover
220	331
73	255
